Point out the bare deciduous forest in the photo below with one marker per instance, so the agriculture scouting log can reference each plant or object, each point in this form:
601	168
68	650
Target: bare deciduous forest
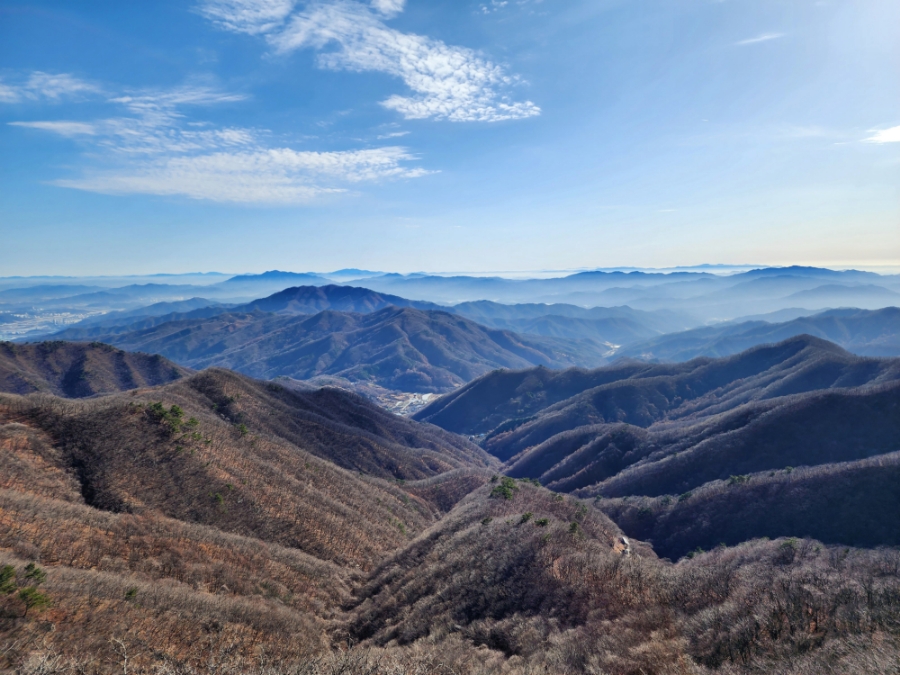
221	524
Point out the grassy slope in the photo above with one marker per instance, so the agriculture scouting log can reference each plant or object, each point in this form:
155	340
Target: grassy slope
188	543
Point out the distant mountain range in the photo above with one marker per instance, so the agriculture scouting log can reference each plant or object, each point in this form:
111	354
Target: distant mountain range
701	295
159	309
704	296
395	347
868	333
427	350
609	325
605	328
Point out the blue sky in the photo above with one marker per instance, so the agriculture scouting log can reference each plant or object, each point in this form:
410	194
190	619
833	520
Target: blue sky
244	135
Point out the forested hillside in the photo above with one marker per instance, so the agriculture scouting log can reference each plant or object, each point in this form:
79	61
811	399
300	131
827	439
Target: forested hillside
220	522
678	433
541	400
77	370
395	347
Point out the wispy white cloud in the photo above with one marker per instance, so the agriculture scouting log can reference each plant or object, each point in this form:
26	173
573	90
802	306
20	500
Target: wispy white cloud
57	87
48	87
765	37
393	134
145	101
891	135
156	124
274	176
388	7
451	83
247	16
154	149
8	94
61	127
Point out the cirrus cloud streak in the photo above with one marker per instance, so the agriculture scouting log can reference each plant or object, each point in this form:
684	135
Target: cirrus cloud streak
61	127
51	87
447	82
765	37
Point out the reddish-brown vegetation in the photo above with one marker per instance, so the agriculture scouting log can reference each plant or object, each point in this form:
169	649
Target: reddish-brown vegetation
218	524
119	454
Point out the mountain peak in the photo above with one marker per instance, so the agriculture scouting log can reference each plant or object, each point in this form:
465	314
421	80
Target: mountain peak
312	299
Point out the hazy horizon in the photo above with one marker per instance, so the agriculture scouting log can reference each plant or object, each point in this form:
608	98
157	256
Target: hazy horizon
708	268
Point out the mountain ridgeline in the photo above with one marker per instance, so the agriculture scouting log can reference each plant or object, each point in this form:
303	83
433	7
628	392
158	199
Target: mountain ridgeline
76	370
669	431
616	308
221	522
642	393
867	333
315	299
396	347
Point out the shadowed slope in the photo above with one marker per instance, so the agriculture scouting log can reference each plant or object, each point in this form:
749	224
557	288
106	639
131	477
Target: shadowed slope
850	503
569	595
507	396
816	428
525	408
77	370
337	425
670	429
